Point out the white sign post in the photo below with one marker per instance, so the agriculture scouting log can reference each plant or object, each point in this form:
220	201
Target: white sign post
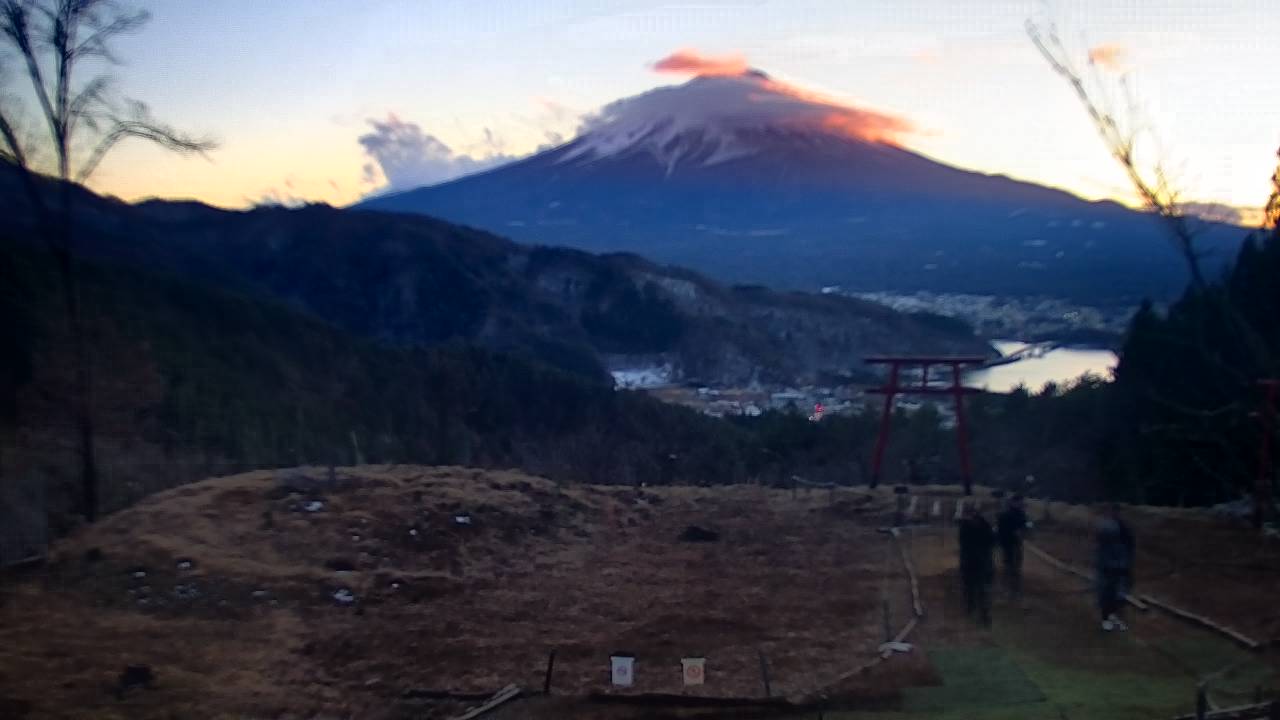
695	670
623	670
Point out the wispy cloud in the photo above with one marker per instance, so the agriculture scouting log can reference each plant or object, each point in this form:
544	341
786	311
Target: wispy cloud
274	197
402	156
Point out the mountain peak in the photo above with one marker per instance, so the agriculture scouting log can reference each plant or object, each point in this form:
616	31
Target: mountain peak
713	117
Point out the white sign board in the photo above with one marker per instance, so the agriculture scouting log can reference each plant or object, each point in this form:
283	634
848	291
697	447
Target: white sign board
695	670
623	670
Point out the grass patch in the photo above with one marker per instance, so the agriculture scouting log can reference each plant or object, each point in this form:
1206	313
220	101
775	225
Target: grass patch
972	677
1205	654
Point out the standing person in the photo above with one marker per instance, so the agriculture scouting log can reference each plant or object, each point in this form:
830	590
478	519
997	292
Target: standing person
977	540
1011	528
1115	567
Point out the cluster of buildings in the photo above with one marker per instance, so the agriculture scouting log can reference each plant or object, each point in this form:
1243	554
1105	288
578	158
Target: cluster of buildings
1008	317
816	402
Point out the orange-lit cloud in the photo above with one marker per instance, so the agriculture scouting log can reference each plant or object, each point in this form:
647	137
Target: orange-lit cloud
1108	56
746	96
834	115
692	62
926	55
867	125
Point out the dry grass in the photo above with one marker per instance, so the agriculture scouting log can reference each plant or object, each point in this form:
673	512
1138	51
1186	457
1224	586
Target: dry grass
235	612
251	627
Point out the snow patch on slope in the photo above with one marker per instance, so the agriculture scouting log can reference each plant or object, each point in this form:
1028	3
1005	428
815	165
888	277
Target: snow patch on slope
644	377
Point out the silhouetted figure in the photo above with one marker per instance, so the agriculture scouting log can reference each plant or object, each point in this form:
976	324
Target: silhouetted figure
1011	528
977	540
1115	568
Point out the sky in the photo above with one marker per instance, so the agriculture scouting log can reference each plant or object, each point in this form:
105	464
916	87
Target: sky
289	88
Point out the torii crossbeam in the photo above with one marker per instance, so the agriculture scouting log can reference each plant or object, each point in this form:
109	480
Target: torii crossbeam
893	388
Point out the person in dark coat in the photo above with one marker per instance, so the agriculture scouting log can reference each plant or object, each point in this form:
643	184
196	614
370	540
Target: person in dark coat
1011	527
977	540
1115	554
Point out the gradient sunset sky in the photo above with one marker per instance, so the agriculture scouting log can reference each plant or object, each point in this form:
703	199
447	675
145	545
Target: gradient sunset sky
289	86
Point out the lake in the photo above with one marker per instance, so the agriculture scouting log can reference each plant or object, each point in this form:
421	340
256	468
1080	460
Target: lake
1059	365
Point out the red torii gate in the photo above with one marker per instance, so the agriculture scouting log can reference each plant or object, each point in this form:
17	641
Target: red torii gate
1262	491
893	388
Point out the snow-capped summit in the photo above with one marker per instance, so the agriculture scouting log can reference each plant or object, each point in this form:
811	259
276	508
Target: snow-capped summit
752	179
714	118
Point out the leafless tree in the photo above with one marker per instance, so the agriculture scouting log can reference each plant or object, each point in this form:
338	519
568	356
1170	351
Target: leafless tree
1121	129
1271	212
79	122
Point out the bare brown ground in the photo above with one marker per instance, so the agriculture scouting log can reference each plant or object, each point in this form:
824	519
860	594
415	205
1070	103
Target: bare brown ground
1210	565
251	627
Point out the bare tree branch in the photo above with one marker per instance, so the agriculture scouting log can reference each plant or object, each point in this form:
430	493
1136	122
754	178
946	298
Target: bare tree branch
95	45
1121	137
15	26
80	108
143	127
57	35
1271	212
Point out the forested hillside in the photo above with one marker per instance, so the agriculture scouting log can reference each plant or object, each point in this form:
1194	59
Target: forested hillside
417	282
1187	389
192	381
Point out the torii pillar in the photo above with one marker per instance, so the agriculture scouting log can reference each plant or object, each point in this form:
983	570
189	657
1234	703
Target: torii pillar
1262	491
893	387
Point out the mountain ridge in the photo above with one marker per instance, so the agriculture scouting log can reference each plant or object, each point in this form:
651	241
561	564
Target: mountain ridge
420	282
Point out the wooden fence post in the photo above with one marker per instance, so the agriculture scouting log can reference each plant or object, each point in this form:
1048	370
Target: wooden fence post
551	664
764	674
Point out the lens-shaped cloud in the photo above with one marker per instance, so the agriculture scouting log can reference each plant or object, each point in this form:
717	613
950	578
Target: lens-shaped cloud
692	62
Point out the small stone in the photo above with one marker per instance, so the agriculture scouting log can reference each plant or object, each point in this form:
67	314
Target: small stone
184	564
344	596
139	574
134	676
339	565
313	506
186	592
693	533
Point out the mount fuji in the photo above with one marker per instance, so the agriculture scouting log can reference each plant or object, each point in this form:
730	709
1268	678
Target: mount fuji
753	180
